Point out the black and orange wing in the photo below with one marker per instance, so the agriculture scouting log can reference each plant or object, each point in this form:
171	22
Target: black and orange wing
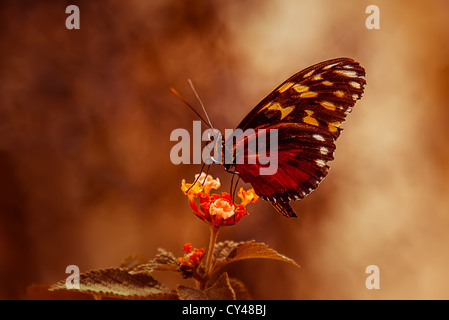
307	111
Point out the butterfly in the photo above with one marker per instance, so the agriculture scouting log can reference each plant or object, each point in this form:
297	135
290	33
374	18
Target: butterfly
306	110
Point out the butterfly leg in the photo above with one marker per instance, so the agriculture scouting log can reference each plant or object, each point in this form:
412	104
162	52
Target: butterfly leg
197	178
231	191
235	188
231	171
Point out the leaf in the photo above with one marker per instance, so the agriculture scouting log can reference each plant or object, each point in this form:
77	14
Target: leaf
241	292
221	289
229	251
132	261
119	283
189	293
164	261
41	292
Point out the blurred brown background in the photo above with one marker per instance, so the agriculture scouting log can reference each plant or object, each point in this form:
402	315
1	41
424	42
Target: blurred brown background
86	116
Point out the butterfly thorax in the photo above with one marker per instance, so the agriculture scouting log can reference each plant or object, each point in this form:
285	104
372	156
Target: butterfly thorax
228	155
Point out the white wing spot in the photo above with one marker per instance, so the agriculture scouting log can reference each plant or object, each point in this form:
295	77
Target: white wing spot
355	84
330	66
355	96
320	163
348	111
324	151
347	73
318	137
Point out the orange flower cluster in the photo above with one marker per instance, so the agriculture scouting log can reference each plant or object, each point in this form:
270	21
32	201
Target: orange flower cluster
192	257
217	210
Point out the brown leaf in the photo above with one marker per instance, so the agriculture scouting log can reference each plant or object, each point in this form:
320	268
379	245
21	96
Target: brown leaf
132	261
189	293
41	292
241	292
229	251
221	289
119	283
163	261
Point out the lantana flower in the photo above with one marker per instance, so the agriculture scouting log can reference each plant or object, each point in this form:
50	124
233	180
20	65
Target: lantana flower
202	182
217	209
192	257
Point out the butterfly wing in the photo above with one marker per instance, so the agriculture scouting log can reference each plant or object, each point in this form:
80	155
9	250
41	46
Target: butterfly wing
307	111
302	154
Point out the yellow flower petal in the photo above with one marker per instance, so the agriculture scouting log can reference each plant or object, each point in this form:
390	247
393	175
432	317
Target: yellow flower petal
247	196
209	182
189	190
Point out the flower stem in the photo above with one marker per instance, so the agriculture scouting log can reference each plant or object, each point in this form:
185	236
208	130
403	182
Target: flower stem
210	252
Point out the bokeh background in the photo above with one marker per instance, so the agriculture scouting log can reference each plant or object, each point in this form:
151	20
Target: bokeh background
86	116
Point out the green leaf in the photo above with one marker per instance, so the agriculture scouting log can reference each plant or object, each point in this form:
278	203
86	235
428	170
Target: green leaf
229	251
119	283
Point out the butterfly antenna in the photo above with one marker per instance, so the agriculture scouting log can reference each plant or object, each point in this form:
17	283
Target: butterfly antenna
188	104
201	103
207	173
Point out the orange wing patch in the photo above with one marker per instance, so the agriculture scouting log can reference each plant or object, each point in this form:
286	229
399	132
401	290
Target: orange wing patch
309	119
300	89
285	87
328	105
285	111
308	94
339	93
333	126
309	74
